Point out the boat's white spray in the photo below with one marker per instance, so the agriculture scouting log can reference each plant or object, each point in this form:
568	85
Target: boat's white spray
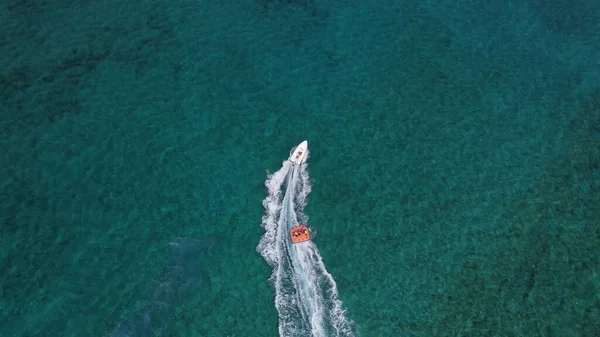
306	295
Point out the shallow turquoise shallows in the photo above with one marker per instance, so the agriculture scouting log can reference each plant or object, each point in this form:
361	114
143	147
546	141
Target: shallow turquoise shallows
454	166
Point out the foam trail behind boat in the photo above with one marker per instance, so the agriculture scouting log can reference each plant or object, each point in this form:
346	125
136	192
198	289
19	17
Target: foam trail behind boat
306	296
318	290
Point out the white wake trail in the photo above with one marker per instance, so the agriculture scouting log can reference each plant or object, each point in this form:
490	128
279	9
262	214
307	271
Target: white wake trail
306	296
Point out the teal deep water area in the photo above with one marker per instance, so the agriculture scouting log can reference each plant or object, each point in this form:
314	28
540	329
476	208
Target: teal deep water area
454	162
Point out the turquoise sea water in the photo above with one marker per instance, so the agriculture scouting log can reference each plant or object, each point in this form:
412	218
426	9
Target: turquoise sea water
454	164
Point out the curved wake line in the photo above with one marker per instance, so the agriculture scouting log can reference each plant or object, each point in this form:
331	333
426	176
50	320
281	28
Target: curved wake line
323	288
306	295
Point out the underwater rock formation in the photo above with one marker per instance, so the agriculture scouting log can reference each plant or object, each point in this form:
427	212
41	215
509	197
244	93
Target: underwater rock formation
182	274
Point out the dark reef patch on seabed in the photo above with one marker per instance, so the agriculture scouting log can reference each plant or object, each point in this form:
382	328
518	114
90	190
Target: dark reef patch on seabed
32	95
576	17
36	89
183	274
